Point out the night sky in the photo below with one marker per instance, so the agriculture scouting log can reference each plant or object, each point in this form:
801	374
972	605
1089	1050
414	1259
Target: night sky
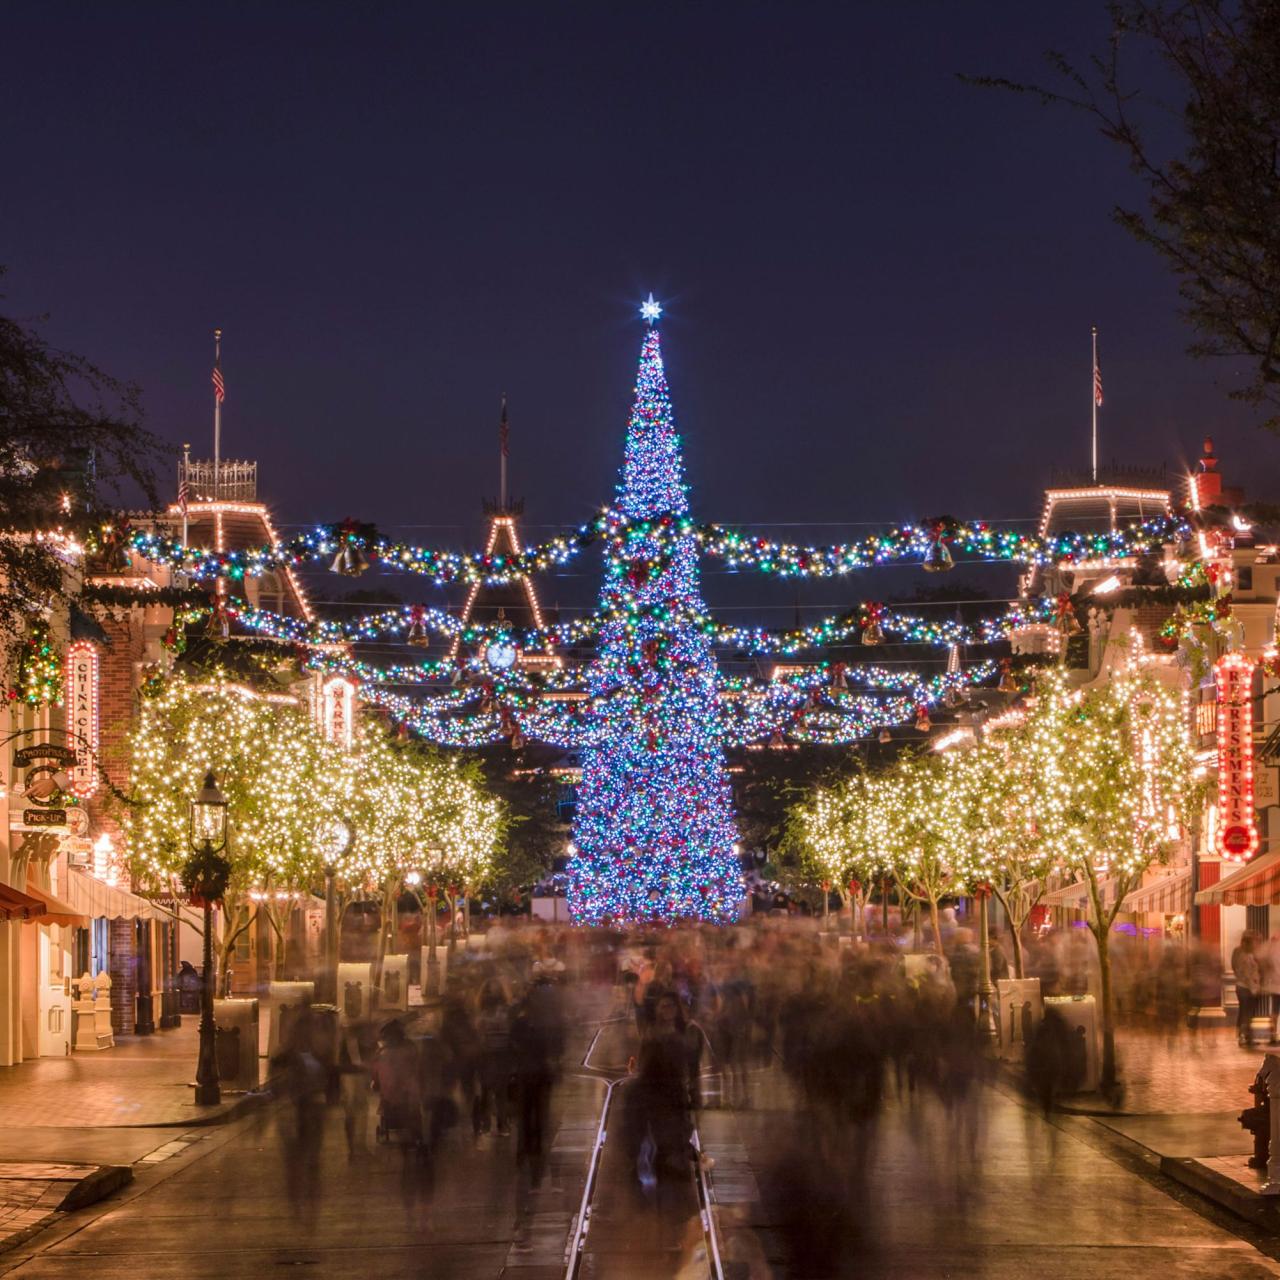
879	281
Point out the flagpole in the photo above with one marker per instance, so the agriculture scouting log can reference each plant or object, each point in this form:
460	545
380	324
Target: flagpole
217	419
185	488
1093	400
502	450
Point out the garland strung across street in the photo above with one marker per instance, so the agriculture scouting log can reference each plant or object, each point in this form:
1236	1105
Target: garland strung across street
810	706
868	623
484	690
348	548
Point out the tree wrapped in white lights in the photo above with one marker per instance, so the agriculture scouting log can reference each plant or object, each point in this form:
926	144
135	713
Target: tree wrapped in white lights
901	822
1002	827
1116	784
832	832
420	817
407	805
270	764
916	808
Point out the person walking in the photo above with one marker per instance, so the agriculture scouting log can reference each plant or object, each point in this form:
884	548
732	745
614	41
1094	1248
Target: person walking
1244	964
1268	952
493	1027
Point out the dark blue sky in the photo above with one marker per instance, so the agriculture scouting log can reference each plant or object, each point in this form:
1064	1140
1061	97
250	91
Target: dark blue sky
879	281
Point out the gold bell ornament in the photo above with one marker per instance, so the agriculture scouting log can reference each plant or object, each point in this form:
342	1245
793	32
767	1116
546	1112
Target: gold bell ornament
350	561
873	632
938	559
416	635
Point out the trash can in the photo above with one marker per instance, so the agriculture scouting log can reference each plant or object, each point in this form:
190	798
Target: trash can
355	991
395	983
1019	1010
1080	1013
285	1000
237	1042
433	971
326	1031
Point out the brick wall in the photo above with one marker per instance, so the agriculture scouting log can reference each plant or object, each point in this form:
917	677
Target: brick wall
124	982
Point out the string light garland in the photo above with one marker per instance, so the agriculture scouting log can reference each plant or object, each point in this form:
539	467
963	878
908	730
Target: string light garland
972	540
853	625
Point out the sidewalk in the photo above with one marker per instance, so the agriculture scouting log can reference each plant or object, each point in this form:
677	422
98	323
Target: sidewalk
145	1081
72	1128
1190	1073
1178	1109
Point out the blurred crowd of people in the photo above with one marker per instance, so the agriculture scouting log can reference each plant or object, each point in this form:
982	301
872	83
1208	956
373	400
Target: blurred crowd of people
835	1029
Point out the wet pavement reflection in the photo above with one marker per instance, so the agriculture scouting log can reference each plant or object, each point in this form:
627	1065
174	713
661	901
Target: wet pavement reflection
748	1102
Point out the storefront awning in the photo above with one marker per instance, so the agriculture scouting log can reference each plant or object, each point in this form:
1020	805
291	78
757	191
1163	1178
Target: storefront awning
1170	895
55	910
1076	895
1256	884
16	905
97	899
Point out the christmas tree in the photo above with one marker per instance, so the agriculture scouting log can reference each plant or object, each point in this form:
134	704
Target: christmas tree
654	831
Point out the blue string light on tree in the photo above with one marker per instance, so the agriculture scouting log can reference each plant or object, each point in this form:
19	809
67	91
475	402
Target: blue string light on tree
654	828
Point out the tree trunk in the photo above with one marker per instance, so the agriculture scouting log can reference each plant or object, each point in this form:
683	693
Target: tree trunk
1015	935
1102	936
935	919
386	923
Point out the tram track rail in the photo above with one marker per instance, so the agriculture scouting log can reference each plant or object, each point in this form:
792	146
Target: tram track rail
575	1246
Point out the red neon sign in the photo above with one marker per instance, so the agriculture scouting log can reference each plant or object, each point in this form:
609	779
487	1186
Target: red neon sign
1237	834
82	716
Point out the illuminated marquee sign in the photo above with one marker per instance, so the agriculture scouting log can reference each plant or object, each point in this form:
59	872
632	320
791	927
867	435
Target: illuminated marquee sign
1237	831
82	717
337	710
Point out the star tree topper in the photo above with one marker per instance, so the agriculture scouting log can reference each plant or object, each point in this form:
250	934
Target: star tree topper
650	308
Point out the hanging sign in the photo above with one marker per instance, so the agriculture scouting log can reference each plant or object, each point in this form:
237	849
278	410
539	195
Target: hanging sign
337	710
1237	829
82	716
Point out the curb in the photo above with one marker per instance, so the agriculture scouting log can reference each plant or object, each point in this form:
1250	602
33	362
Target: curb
101	1183
98	1182
1262	1211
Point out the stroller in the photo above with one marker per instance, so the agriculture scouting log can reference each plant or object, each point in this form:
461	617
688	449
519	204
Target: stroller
396	1080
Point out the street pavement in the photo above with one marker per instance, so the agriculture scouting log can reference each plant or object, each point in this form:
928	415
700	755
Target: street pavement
988	1190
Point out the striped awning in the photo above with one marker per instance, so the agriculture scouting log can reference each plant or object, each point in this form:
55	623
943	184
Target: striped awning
1256	884
1076	895
1170	894
55	910
98	899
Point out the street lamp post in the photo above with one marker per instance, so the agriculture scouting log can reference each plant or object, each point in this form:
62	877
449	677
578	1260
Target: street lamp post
205	875
987	1027
333	838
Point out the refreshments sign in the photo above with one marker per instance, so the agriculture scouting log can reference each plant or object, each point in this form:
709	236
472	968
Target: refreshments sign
1237	833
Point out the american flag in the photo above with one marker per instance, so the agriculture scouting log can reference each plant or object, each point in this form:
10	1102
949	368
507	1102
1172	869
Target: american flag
1097	378
504	431
219	387
183	494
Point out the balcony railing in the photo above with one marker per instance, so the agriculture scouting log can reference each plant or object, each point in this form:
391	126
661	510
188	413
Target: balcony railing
232	482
